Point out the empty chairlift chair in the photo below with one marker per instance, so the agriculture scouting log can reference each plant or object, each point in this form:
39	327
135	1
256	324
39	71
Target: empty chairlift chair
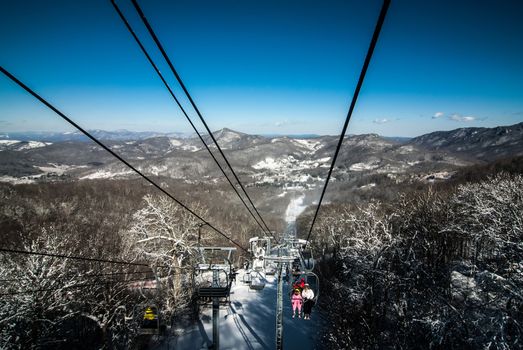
259	248
257	281
212	278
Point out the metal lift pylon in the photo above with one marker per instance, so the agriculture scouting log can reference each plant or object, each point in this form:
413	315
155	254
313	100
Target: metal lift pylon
220	285
282	261
279	309
215	312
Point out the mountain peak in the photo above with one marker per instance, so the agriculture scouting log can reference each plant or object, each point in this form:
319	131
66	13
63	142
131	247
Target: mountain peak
226	135
227	131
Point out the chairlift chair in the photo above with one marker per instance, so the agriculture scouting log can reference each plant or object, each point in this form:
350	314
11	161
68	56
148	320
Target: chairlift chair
312	280
212	279
149	319
257	281
259	247
296	267
259	242
207	286
247	278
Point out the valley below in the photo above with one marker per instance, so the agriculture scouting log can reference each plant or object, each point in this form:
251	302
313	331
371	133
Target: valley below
274	169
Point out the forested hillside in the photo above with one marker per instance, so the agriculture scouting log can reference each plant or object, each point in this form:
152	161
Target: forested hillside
57	303
439	268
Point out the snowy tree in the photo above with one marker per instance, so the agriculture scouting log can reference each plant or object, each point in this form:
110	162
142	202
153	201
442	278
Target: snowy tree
29	316
489	213
44	298
165	235
439	269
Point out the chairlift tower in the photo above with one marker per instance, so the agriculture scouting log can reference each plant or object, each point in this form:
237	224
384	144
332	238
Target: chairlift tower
285	255
282	261
213	281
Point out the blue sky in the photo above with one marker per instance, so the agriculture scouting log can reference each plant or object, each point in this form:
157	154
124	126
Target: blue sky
266	67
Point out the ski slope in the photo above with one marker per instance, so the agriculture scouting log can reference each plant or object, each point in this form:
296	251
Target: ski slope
249	322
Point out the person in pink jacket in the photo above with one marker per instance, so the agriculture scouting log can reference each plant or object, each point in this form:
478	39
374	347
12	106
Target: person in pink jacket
297	302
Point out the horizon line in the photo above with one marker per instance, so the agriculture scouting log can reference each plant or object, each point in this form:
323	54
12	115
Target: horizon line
269	134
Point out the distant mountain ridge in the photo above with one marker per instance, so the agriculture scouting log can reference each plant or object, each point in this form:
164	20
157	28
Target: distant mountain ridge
126	135
481	143
121	135
116	135
281	161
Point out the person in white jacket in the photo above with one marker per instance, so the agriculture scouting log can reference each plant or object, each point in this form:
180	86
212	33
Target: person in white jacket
308	301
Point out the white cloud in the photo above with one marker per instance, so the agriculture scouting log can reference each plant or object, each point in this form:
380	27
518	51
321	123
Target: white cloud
381	121
438	115
461	118
282	123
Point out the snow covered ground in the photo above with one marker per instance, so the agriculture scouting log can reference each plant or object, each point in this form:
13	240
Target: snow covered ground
8	142
18	180
364	166
311	145
104	174
59	169
22	145
288	170
249	322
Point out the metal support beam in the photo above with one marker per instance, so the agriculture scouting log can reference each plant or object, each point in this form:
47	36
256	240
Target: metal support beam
279	310
215	312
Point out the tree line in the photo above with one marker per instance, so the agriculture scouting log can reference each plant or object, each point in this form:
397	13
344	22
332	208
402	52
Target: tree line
54	303
440	268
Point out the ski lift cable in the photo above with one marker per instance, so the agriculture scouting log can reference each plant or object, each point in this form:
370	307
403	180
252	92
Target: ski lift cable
79	285
72	257
92	275
368	57
160	75
89	275
86	133
184	88
182	85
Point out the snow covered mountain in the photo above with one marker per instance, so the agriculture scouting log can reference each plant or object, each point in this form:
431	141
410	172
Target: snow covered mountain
121	135
286	162
480	143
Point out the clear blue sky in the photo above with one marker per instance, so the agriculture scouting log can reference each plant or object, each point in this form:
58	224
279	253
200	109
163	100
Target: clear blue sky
264	66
